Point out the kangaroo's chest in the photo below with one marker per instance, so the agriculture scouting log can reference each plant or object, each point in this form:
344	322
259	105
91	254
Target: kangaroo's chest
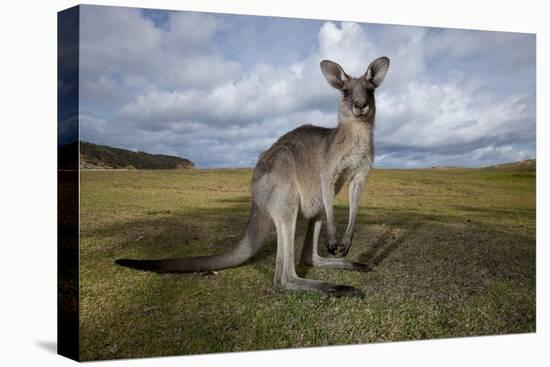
354	162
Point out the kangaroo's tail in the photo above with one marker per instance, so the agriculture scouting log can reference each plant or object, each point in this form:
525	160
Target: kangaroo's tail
257	229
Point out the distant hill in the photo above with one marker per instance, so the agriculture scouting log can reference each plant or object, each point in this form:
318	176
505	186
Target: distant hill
528	165
93	156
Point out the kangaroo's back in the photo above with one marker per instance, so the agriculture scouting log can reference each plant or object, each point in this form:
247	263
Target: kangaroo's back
308	145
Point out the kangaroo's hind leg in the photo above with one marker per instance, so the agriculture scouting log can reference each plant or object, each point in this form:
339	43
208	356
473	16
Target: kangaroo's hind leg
283	207
285	274
310	255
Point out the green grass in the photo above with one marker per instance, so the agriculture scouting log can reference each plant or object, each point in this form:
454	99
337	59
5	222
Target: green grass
453	252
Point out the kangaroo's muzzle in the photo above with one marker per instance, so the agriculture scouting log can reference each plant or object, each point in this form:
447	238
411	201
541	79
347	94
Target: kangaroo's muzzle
360	111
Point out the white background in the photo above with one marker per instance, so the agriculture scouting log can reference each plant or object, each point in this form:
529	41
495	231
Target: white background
28	182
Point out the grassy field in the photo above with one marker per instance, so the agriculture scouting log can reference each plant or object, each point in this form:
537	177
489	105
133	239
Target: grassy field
453	252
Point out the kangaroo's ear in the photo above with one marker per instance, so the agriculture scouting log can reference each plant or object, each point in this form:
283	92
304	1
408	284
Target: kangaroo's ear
377	70
334	74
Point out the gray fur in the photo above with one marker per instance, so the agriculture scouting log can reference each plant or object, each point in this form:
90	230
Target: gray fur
302	172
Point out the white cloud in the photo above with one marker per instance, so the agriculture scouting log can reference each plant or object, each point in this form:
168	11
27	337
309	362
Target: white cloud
264	92
120	46
117	40
191	31
349	45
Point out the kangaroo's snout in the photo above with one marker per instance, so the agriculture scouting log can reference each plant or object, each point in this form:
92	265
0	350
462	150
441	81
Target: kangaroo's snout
360	110
360	104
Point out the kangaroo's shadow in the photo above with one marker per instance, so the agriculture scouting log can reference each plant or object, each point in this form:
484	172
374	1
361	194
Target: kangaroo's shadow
386	244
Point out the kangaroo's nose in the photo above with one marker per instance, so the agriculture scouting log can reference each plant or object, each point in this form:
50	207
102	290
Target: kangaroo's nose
359	104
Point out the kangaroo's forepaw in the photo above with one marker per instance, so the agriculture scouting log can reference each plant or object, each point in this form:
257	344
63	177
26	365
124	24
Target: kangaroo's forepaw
332	246
342	249
339	248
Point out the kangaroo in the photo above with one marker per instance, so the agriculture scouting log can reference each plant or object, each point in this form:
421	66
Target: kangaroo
302	172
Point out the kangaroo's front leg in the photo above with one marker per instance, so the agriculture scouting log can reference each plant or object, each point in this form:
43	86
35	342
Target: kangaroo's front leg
356	188
327	190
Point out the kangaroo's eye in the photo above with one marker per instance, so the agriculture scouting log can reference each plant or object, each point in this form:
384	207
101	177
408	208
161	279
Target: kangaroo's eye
347	92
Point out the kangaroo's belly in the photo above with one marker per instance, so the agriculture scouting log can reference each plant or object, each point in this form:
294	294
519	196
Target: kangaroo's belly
311	204
309	187
354	165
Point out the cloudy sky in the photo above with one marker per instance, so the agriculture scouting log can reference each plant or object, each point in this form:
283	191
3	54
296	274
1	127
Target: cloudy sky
220	89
